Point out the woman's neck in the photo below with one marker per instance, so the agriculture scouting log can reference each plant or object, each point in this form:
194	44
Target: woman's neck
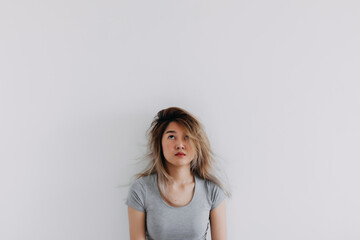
181	175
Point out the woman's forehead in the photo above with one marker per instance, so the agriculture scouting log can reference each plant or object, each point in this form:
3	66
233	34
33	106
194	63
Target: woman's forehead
176	127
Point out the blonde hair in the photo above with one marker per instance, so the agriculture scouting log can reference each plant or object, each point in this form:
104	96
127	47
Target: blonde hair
203	163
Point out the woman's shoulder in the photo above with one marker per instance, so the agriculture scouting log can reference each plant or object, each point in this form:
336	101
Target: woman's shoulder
207	182
211	186
144	181
142	185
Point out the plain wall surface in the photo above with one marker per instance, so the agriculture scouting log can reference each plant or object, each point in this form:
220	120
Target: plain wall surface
275	83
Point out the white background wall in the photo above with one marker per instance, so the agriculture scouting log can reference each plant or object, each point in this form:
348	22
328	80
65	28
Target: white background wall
275	83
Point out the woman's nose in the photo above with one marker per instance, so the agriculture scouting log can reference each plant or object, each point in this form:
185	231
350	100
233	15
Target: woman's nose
179	145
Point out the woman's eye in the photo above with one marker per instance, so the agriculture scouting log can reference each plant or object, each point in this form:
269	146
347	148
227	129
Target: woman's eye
171	137
186	137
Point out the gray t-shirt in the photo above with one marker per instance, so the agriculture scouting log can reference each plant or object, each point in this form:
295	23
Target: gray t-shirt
165	222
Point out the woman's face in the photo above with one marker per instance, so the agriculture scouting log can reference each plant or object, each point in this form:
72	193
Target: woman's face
178	149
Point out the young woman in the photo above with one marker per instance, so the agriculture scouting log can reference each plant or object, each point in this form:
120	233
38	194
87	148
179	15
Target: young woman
177	196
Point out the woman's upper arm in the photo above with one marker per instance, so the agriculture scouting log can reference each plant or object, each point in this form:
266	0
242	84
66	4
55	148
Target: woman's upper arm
218	222
136	224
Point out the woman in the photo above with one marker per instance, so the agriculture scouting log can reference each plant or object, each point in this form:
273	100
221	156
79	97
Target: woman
177	196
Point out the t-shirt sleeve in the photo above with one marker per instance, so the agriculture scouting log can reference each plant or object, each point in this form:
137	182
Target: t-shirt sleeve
217	195
136	196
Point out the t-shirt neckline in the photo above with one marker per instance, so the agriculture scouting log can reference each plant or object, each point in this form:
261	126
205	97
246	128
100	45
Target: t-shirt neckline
166	204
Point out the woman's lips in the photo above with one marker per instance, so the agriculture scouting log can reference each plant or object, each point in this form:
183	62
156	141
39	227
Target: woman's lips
180	154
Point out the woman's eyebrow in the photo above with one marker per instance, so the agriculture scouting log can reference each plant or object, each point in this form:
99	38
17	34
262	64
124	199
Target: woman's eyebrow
170	131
